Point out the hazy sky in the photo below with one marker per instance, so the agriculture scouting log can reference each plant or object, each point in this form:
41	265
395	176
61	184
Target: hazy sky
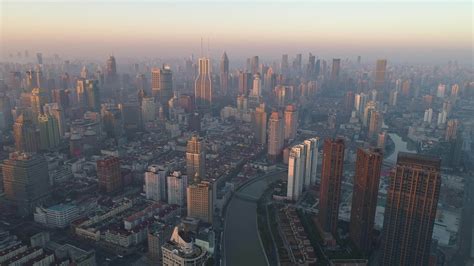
404	31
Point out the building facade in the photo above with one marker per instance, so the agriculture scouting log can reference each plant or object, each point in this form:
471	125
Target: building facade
410	211
26	181
330	188
364	197
195	157
109	174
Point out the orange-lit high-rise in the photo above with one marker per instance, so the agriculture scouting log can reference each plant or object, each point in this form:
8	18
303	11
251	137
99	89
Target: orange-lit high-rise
380	70
364	197
275	136
330	188
108	172
195	157
410	212
200	200
203	85
291	122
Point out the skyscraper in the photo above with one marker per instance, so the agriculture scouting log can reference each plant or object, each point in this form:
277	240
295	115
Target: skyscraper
200	201
260	124
369	108
48	131
330	188
296	171
81	93
84	73
195	157
336	68
92	94
111	77
177	184
275	136
269	81
310	68
39	96
364	197
26	181
162	84
25	134
312	154
451	129
410	211
245	83
155	182
203	85
291	122
380	69
6	118
224	74
285	64
254	65
375	124
109	174
148	109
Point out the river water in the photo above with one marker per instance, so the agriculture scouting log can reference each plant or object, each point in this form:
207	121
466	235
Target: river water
241	242
242	245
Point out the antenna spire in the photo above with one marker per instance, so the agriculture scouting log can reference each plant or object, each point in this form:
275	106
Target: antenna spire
201	46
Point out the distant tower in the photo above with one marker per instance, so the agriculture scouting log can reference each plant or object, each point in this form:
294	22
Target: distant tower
375	124
155	183
109	174
26	181
330	188
39	97
257	86
177	185
6	117
195	157
275	136
92	94
48	131
162	84
245	83
291	122
369	108
148	109
285	64
254	65
224	74
260	124
25	134
451	129
336	68
296	171
111	77
84	73
380	70
312	154
81	99
410	212
364	197
203	85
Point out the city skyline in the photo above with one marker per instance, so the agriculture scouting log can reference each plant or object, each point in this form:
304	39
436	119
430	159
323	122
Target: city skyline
372	30
208	132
